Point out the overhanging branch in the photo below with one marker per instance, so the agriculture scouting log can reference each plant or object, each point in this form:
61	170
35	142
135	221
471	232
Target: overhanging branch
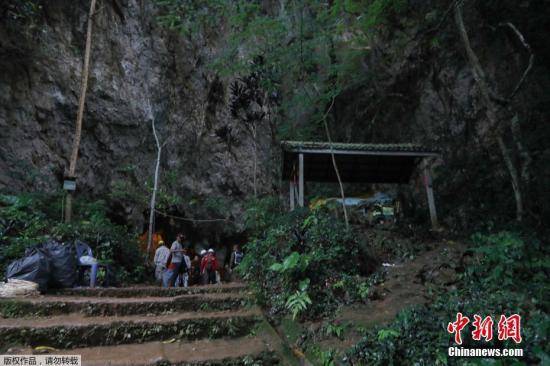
531	57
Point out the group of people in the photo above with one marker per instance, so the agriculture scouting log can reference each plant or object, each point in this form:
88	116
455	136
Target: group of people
175	268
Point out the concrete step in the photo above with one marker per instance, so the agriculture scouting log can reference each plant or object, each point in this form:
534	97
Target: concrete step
107	306
77	330
239	351
149	291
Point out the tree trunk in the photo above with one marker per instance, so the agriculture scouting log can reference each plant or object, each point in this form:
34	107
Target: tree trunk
80	113
514	176
155	188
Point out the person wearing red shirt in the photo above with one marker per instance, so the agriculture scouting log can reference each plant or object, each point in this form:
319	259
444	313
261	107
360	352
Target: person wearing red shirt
209	266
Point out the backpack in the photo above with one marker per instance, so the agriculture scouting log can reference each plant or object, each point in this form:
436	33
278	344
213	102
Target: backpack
210	263
238	258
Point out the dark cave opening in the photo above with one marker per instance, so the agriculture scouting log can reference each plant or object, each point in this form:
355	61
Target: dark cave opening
218	235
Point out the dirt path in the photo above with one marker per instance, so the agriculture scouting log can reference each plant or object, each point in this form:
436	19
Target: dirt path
406	284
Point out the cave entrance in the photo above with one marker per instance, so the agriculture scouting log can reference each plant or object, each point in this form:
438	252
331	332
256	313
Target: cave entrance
219	235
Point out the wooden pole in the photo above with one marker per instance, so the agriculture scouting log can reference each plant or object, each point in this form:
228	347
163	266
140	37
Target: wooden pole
430	194
292	199
301	180
80	113
336	170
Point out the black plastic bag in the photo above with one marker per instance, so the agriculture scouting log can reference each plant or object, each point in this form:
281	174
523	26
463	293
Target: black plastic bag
34	267
62	264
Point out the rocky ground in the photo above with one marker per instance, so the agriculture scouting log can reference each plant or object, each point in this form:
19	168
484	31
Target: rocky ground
142	326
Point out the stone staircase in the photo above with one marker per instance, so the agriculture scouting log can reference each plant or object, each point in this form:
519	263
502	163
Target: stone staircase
206	325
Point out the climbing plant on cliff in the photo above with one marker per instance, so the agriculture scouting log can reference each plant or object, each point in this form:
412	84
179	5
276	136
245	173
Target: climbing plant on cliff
252	105
310	50
21	11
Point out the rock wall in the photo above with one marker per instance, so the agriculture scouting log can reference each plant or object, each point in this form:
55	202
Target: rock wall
421	90
136	67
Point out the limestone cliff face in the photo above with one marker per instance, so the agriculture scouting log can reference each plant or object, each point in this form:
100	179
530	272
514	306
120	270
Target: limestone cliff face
134	64
421	90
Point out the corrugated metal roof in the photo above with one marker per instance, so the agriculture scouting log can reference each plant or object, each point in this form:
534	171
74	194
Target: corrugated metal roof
314	145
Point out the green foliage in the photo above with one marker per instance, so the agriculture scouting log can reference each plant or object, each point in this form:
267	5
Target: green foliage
335	329
259	213
30	219
326	357
191	17
363	290
384	334
378	11
485	288
21	10
140	195
218	206
295	261
303	246
503	253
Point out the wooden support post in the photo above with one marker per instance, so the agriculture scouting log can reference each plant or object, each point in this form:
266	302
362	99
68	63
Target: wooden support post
301	180
292	188
430	193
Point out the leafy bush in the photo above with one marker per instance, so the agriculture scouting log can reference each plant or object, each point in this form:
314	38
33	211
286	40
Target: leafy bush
30	219
507	275
300	251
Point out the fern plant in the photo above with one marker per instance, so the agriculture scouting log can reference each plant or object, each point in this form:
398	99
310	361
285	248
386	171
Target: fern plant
299	301
335	330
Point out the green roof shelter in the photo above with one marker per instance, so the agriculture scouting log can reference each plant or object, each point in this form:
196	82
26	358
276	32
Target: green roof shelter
357	163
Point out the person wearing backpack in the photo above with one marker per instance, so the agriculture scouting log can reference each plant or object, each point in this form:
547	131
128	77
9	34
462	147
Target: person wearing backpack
235	259
209	266
184	270
176	251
